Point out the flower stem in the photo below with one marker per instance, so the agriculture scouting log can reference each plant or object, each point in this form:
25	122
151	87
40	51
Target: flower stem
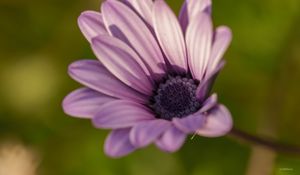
266	142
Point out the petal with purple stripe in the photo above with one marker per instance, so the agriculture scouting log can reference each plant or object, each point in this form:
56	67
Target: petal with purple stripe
123	62
218	122
190	9
222	40
171	140
169	34
121	114
144	133
91	24
199	41
117	143
94	75
84	102
124	24
144	9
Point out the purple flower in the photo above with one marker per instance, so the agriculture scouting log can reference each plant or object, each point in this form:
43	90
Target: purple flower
152	80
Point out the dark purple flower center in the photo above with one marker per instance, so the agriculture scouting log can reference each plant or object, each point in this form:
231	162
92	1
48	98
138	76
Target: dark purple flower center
175	97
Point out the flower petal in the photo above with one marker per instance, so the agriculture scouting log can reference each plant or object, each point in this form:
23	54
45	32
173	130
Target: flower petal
123	62
144	133
218	122
144	9
199	41
117	143
91	24
169	34
84	102
195	121
223	38
190	123
205	87
190	9
92	74
209	103
171	140
124	24
121	114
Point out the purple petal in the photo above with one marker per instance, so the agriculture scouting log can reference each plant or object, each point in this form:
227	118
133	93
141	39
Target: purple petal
144	9
124	24
218	122
117	143
122	62
171	140
223	38
195	121
91	24
206	85
121	114
84	102
92	74
144	133
190	123
190	9
209	103
169	34
199	41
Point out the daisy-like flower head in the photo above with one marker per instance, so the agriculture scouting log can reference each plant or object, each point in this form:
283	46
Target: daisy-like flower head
152	80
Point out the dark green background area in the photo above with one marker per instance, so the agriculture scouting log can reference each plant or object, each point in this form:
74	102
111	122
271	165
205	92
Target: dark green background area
260	85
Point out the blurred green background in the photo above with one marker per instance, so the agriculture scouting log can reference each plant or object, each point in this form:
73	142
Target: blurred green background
260	85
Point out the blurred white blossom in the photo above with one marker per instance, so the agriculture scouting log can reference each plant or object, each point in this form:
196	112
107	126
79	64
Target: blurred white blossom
15	159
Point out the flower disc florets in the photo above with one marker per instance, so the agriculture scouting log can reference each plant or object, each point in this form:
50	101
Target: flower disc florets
175	97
